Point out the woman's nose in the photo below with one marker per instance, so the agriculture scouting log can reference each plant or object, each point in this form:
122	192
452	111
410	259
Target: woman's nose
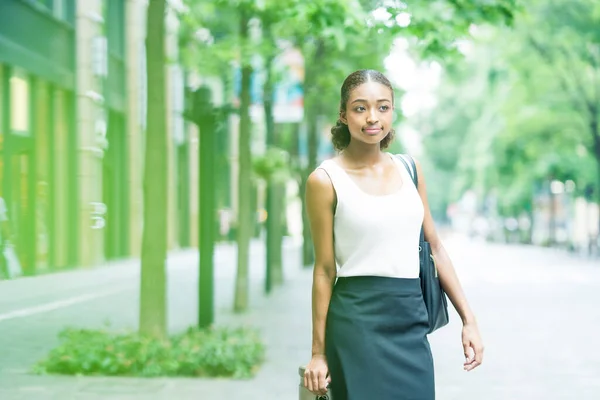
372	118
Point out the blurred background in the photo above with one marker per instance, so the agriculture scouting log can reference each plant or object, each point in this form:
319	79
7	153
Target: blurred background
134	133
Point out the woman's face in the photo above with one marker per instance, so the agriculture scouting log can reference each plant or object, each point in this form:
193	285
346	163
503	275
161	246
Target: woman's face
369	112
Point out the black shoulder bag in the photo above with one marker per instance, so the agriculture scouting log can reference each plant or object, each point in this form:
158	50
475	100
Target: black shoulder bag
433	294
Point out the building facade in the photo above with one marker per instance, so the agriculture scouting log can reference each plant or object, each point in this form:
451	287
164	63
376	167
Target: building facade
38	130
72	116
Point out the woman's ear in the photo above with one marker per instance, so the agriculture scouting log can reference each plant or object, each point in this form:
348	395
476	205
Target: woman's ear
343	117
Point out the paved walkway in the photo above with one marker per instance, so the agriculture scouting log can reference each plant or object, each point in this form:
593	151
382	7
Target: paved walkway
33	310
537	310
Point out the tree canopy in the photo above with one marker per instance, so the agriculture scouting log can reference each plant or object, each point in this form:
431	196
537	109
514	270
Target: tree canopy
523	107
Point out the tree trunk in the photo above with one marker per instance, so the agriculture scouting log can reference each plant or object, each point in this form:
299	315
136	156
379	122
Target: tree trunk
313	145
207	185
245	211
274	267
153	317
279	196
595	130
311	108
552	219
307	247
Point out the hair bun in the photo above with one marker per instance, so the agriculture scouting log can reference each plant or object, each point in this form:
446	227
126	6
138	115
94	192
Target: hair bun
340	135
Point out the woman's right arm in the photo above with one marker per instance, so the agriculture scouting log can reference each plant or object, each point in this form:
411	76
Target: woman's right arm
320	203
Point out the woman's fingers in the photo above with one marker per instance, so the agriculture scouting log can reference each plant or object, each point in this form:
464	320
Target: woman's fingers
473	346
316	381
312	378
479	354
472	365
323	383
473	356
306	379
467	352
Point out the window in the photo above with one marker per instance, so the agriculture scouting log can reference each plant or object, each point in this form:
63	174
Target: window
115	26
44	3
2	100
1	113
19	103
60	9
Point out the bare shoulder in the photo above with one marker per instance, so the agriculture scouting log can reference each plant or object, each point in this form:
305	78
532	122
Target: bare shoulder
319	184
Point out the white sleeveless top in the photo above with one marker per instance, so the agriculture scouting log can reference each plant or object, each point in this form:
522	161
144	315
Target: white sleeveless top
375	235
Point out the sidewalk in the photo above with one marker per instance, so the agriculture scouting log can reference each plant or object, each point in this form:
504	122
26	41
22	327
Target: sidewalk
505	285
283	318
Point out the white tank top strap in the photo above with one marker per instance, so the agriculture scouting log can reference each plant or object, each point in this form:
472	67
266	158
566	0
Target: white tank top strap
337	176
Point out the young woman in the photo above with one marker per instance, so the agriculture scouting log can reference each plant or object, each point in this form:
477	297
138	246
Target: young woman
369	320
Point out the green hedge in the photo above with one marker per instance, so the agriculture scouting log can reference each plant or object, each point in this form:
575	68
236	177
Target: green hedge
215	352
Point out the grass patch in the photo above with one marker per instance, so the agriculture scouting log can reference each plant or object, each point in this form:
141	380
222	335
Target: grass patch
214	352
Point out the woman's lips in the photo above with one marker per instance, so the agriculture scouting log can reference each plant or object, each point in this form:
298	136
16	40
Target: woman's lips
372	131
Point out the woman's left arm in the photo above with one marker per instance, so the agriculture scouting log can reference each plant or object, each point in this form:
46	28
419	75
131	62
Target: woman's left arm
472	343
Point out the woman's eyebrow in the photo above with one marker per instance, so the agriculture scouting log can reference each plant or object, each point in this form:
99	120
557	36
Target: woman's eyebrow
366	101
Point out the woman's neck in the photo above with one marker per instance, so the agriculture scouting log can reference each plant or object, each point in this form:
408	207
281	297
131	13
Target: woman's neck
363	154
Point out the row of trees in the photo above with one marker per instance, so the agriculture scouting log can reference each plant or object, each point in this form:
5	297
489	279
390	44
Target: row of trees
335	38
523	110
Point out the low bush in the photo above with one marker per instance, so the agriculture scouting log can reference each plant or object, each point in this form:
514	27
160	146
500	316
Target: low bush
214	352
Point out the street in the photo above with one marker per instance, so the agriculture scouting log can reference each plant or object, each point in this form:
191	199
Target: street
539	317
537	310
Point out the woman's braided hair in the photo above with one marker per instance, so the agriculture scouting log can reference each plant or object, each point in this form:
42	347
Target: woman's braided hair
340	134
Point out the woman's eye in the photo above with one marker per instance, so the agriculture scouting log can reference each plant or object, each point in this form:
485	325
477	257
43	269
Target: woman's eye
360	108
384	108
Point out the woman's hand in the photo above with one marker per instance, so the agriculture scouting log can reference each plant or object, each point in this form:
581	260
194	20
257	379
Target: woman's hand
316	377
472	345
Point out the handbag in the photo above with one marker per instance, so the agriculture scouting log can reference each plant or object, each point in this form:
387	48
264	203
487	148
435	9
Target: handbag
433	293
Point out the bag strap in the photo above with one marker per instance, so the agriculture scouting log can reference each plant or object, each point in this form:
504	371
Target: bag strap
411	167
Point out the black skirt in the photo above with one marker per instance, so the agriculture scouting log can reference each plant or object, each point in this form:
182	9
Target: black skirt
376	340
